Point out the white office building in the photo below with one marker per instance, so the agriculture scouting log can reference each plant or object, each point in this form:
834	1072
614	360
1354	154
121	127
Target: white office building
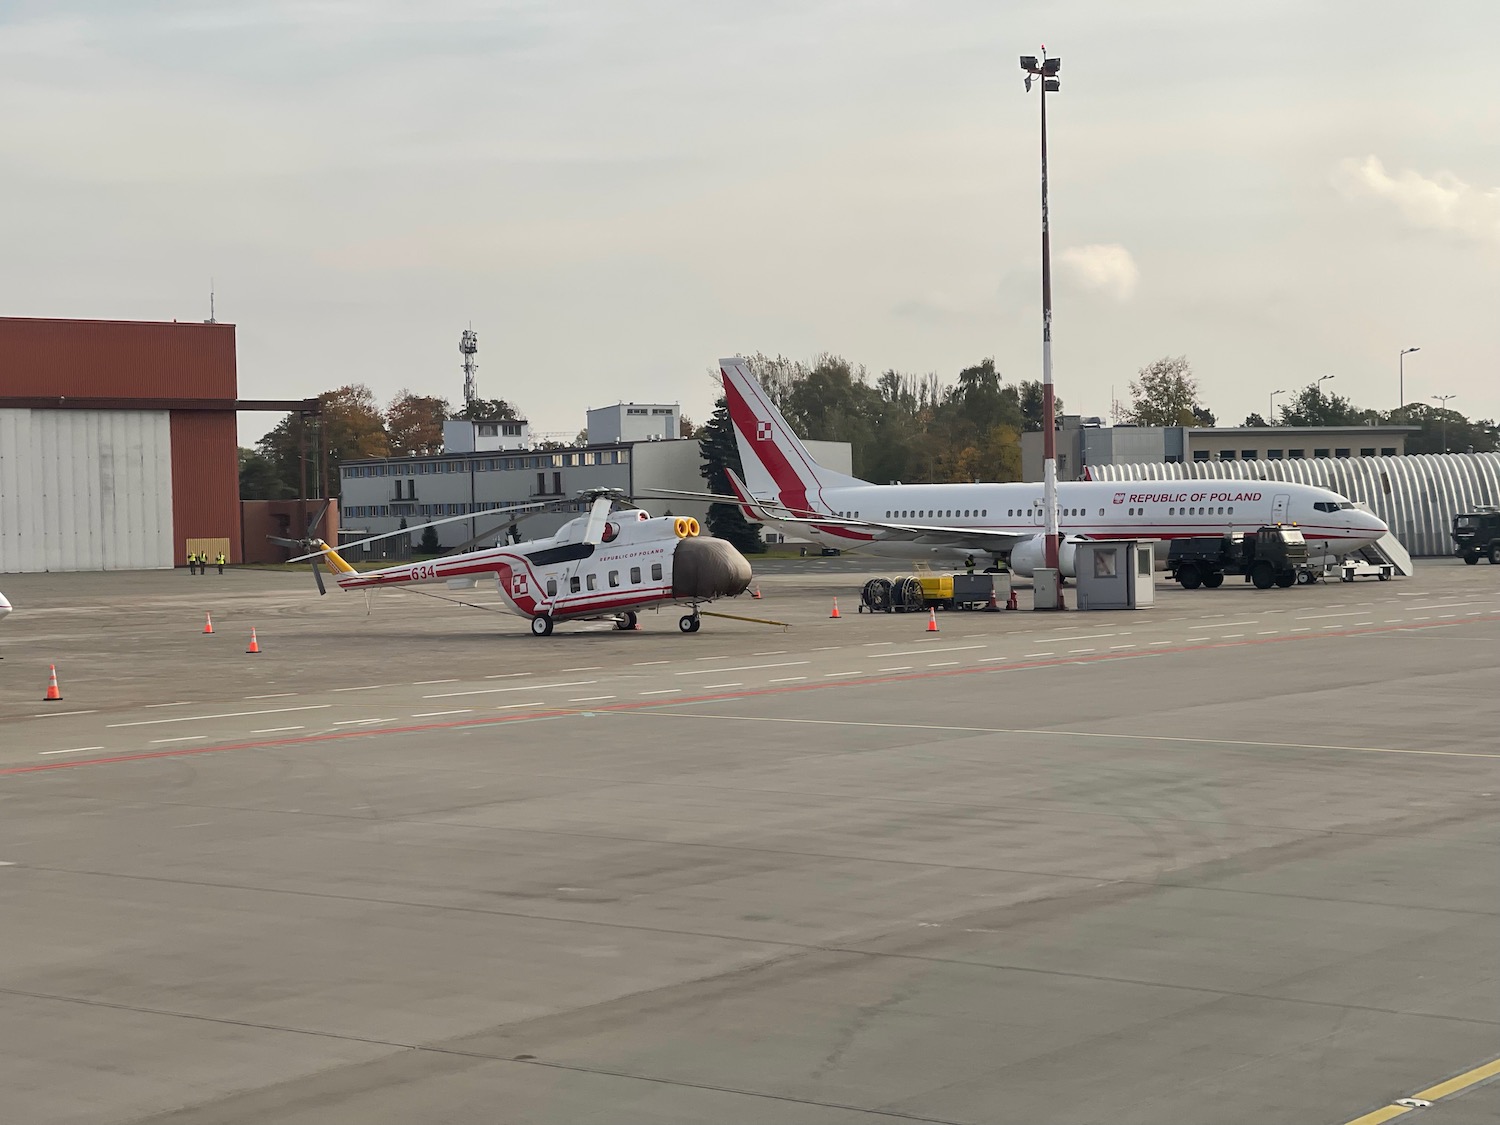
634	421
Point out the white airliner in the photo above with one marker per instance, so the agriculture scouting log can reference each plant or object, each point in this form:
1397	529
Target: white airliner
4	606
785	487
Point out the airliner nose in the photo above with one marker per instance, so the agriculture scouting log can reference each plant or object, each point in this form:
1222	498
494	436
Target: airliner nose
704	567
5	605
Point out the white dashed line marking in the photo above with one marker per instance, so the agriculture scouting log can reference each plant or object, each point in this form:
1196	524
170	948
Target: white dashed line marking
942	664
714	687
184	738
361	722
515	706
787	679
435	714
429	683
925	651
1029	655
276	730
663	691
278	695
366	687
184	703
590	698
835	675
648	663
223	715
75	750
62	714
742	668
898	668
507	675
518	687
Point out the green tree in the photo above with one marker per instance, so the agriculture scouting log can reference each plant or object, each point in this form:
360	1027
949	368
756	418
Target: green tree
1442	427
720	451
353	428
414	423
1031	405
259	479
429	544
488	410
1164	393
1312	407
1255	420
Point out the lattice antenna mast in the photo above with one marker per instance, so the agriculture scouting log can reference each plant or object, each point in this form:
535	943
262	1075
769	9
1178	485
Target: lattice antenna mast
468	347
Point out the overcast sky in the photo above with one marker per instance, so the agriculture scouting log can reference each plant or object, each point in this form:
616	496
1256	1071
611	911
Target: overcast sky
617	193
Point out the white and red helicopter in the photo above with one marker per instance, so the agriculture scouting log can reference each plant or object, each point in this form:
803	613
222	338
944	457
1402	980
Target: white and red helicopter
607	565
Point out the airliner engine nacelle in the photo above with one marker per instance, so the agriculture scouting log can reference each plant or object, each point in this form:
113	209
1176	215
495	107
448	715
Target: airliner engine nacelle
1027	556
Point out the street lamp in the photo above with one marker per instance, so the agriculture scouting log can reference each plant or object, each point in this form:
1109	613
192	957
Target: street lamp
1271	418
1401	361
1046	69
1442	400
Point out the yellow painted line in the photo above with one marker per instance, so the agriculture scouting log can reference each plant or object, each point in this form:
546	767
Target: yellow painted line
1460	1082
1384	1113
1432	1094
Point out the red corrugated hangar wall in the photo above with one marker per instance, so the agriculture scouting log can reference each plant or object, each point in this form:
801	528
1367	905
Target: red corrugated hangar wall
117	442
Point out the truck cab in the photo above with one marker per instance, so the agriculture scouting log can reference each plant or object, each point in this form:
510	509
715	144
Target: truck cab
1476	535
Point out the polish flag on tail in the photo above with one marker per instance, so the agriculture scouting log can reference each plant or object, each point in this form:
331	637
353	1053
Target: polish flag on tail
778	468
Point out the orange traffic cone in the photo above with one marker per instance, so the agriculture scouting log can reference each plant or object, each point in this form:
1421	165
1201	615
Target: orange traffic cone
1011	602
835	612
208	623
52	693
932	621
756	593
993	606
254	644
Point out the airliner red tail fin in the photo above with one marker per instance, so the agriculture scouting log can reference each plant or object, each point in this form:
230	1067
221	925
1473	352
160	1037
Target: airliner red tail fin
778	467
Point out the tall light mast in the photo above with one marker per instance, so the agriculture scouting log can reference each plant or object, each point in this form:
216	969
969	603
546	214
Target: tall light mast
468	347
1046	69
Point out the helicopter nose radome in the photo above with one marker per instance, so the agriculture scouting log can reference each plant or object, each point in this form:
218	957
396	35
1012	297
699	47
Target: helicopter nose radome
708	568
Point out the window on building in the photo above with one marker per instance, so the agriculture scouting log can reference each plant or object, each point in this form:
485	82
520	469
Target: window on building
656	572
511	429
1226	455
635	576
1320	453
1248	454
1200	455
635	410
1367	451
662	410
614	578
1275	455
1388	451
1296	454
1341	452
557	483
488	429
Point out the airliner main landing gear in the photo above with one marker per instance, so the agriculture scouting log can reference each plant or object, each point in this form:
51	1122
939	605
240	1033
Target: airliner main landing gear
626	621
689	622
541	625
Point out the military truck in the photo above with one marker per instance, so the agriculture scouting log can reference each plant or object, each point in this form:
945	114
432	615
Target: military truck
1476	534
1268	556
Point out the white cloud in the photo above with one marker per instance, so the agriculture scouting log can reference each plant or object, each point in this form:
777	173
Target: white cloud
1108	268
1440	202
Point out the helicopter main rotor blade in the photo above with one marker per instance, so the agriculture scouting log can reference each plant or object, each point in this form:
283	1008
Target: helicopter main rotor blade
593	531
414	527
314	523
318	577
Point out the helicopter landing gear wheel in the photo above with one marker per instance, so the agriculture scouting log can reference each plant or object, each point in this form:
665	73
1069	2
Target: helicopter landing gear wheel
541	626
689	623
626	621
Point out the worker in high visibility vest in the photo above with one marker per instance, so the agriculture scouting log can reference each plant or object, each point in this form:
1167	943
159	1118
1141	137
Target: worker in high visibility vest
220	561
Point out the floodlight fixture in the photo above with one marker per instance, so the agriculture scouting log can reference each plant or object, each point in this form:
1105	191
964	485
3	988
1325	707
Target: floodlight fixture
1051	66
1051	85
1028	63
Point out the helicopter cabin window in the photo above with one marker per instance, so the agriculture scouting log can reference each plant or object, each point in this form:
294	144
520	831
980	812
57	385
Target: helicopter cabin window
573	584
614	578
656	572
635	575
593	581
552	587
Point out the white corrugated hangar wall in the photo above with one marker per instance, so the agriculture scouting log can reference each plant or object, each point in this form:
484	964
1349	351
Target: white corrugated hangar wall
85	490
